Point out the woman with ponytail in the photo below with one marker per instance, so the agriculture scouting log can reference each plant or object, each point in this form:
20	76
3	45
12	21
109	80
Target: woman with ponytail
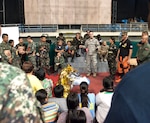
103	99
73	107
87	99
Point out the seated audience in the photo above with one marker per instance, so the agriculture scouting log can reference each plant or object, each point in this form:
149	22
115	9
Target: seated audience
69	52
34	81
103	99
73	105
58	93
87	99
103	52
17	103
59	62
49	109
47	83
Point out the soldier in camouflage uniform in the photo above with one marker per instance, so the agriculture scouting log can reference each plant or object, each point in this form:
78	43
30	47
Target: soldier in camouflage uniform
59	62
5	50
112	53
86	36
17	103
143	54
15	57
69	52
43	52
61	37
21	47
31	50
76	43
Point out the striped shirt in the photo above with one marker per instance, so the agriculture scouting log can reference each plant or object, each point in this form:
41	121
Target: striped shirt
50	111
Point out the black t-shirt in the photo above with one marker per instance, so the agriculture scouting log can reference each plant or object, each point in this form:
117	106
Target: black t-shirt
125	47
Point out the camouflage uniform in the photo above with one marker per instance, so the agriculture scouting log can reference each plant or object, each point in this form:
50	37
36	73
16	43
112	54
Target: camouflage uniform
17	103
143	53
103	52
22	56
112	53
86	37
76	43
31	49
15	58
43	49
61	61
92	45
5	47
67	53
63	39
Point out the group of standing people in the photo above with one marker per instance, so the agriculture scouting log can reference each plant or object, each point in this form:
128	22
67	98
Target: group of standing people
125	50
119	59
38	53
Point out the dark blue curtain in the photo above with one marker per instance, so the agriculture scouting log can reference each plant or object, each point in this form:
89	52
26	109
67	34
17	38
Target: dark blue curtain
132	8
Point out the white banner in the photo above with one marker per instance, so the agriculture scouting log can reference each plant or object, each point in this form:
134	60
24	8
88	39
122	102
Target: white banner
13	33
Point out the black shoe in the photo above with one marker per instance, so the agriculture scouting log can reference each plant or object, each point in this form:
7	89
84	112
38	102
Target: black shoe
72	60
78	55
66	60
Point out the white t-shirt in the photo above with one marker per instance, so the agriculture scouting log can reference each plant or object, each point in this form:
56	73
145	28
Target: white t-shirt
103	103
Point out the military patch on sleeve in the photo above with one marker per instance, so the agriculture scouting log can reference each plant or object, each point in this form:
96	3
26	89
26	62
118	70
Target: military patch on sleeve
146	49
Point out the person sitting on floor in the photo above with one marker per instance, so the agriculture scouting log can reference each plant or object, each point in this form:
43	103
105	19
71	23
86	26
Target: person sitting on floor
103	52
49	109
103	99
73	105
61	37
59	62
69	52
59	99
87	99
78	116
47	83
34	81
59	47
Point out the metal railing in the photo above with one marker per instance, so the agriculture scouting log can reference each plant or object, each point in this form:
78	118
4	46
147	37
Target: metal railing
131	27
